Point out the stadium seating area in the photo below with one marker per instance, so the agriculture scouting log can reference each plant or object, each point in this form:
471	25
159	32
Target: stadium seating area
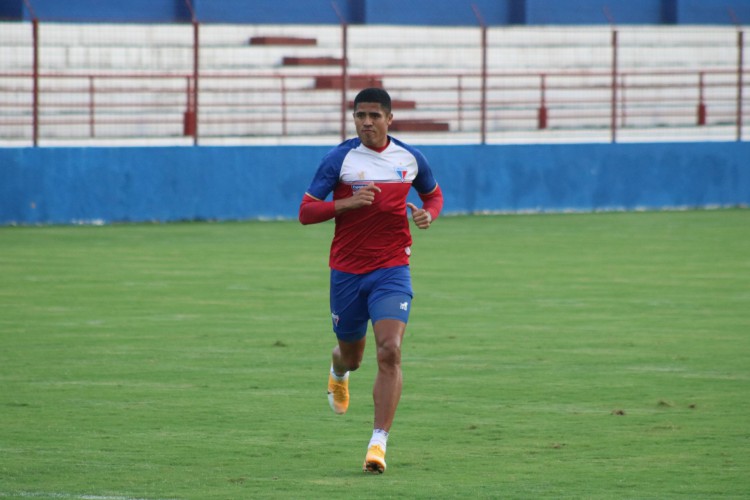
135	80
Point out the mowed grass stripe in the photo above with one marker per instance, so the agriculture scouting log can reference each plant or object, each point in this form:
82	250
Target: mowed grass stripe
547	356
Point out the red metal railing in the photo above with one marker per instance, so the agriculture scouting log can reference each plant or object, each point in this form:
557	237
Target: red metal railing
250	105
43	104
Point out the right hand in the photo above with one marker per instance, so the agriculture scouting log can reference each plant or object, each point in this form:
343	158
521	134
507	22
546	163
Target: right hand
363	197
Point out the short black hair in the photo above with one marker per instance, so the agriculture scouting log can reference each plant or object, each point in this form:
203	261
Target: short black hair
374	94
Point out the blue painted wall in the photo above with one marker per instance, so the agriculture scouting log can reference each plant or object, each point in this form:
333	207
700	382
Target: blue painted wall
425	12
276	11
66	185
443	12
593	12
51	185
712	11
11	9
593	176
138	11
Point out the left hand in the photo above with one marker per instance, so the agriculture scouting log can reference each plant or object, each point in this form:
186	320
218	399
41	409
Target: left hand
420	216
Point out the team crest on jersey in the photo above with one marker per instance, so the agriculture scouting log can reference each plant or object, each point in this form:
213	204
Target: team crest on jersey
401	172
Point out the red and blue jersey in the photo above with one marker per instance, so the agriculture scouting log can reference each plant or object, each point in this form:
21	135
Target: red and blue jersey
378	235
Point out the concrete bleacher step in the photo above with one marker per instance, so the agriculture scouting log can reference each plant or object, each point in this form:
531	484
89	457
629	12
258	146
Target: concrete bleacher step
396	104
156	48
329	82
282	40
297	60
312	61
429	70
417	125
296	42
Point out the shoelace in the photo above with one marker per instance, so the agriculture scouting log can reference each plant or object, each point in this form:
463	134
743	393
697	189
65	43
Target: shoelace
339	390
377	449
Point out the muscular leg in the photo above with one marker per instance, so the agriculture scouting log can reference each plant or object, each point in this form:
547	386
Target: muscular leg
387	389
347	356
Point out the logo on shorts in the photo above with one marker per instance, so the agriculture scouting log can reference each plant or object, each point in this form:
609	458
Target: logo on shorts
404	306
335	318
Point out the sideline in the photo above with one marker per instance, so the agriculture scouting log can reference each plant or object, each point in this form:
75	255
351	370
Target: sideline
39	494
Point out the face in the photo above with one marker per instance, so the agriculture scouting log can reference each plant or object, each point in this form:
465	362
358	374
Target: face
372	124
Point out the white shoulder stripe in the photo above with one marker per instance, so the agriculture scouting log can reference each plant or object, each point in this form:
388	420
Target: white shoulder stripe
395	164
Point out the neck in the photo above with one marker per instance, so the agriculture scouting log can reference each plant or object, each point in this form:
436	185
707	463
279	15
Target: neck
382	148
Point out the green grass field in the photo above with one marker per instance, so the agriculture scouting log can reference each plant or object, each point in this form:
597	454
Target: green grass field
548	356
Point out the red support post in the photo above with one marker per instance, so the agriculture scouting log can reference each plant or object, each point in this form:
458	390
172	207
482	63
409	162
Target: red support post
344	67
542	113
35	73
92	90
483	110
613	121
740	83
344	76
196	75
701	101
740	70
188	121
35	101
460	103
283	106
623	100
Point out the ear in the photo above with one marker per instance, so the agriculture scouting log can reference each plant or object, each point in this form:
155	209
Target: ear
389	119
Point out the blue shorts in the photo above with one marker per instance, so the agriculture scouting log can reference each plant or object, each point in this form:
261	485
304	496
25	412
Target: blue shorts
358	298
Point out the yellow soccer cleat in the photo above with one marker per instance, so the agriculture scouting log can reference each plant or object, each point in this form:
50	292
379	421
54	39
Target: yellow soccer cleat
375	459
338	394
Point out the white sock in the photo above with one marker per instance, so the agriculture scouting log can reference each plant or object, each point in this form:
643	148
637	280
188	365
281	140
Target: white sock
339	378
379	437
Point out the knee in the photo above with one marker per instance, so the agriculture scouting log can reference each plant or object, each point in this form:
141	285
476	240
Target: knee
348	358
389	355
352	364
349	361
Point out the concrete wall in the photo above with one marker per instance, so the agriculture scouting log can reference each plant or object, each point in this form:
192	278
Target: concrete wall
279	12
424	12
443	12
70	185
594	12
138	11
712	11
590	177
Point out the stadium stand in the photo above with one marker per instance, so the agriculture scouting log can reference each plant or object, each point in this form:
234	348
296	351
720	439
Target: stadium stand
135	80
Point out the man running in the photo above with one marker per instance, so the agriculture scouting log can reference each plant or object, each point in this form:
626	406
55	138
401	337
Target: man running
370	177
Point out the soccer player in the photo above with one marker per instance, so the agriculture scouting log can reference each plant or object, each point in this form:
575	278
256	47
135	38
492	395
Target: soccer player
370	177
